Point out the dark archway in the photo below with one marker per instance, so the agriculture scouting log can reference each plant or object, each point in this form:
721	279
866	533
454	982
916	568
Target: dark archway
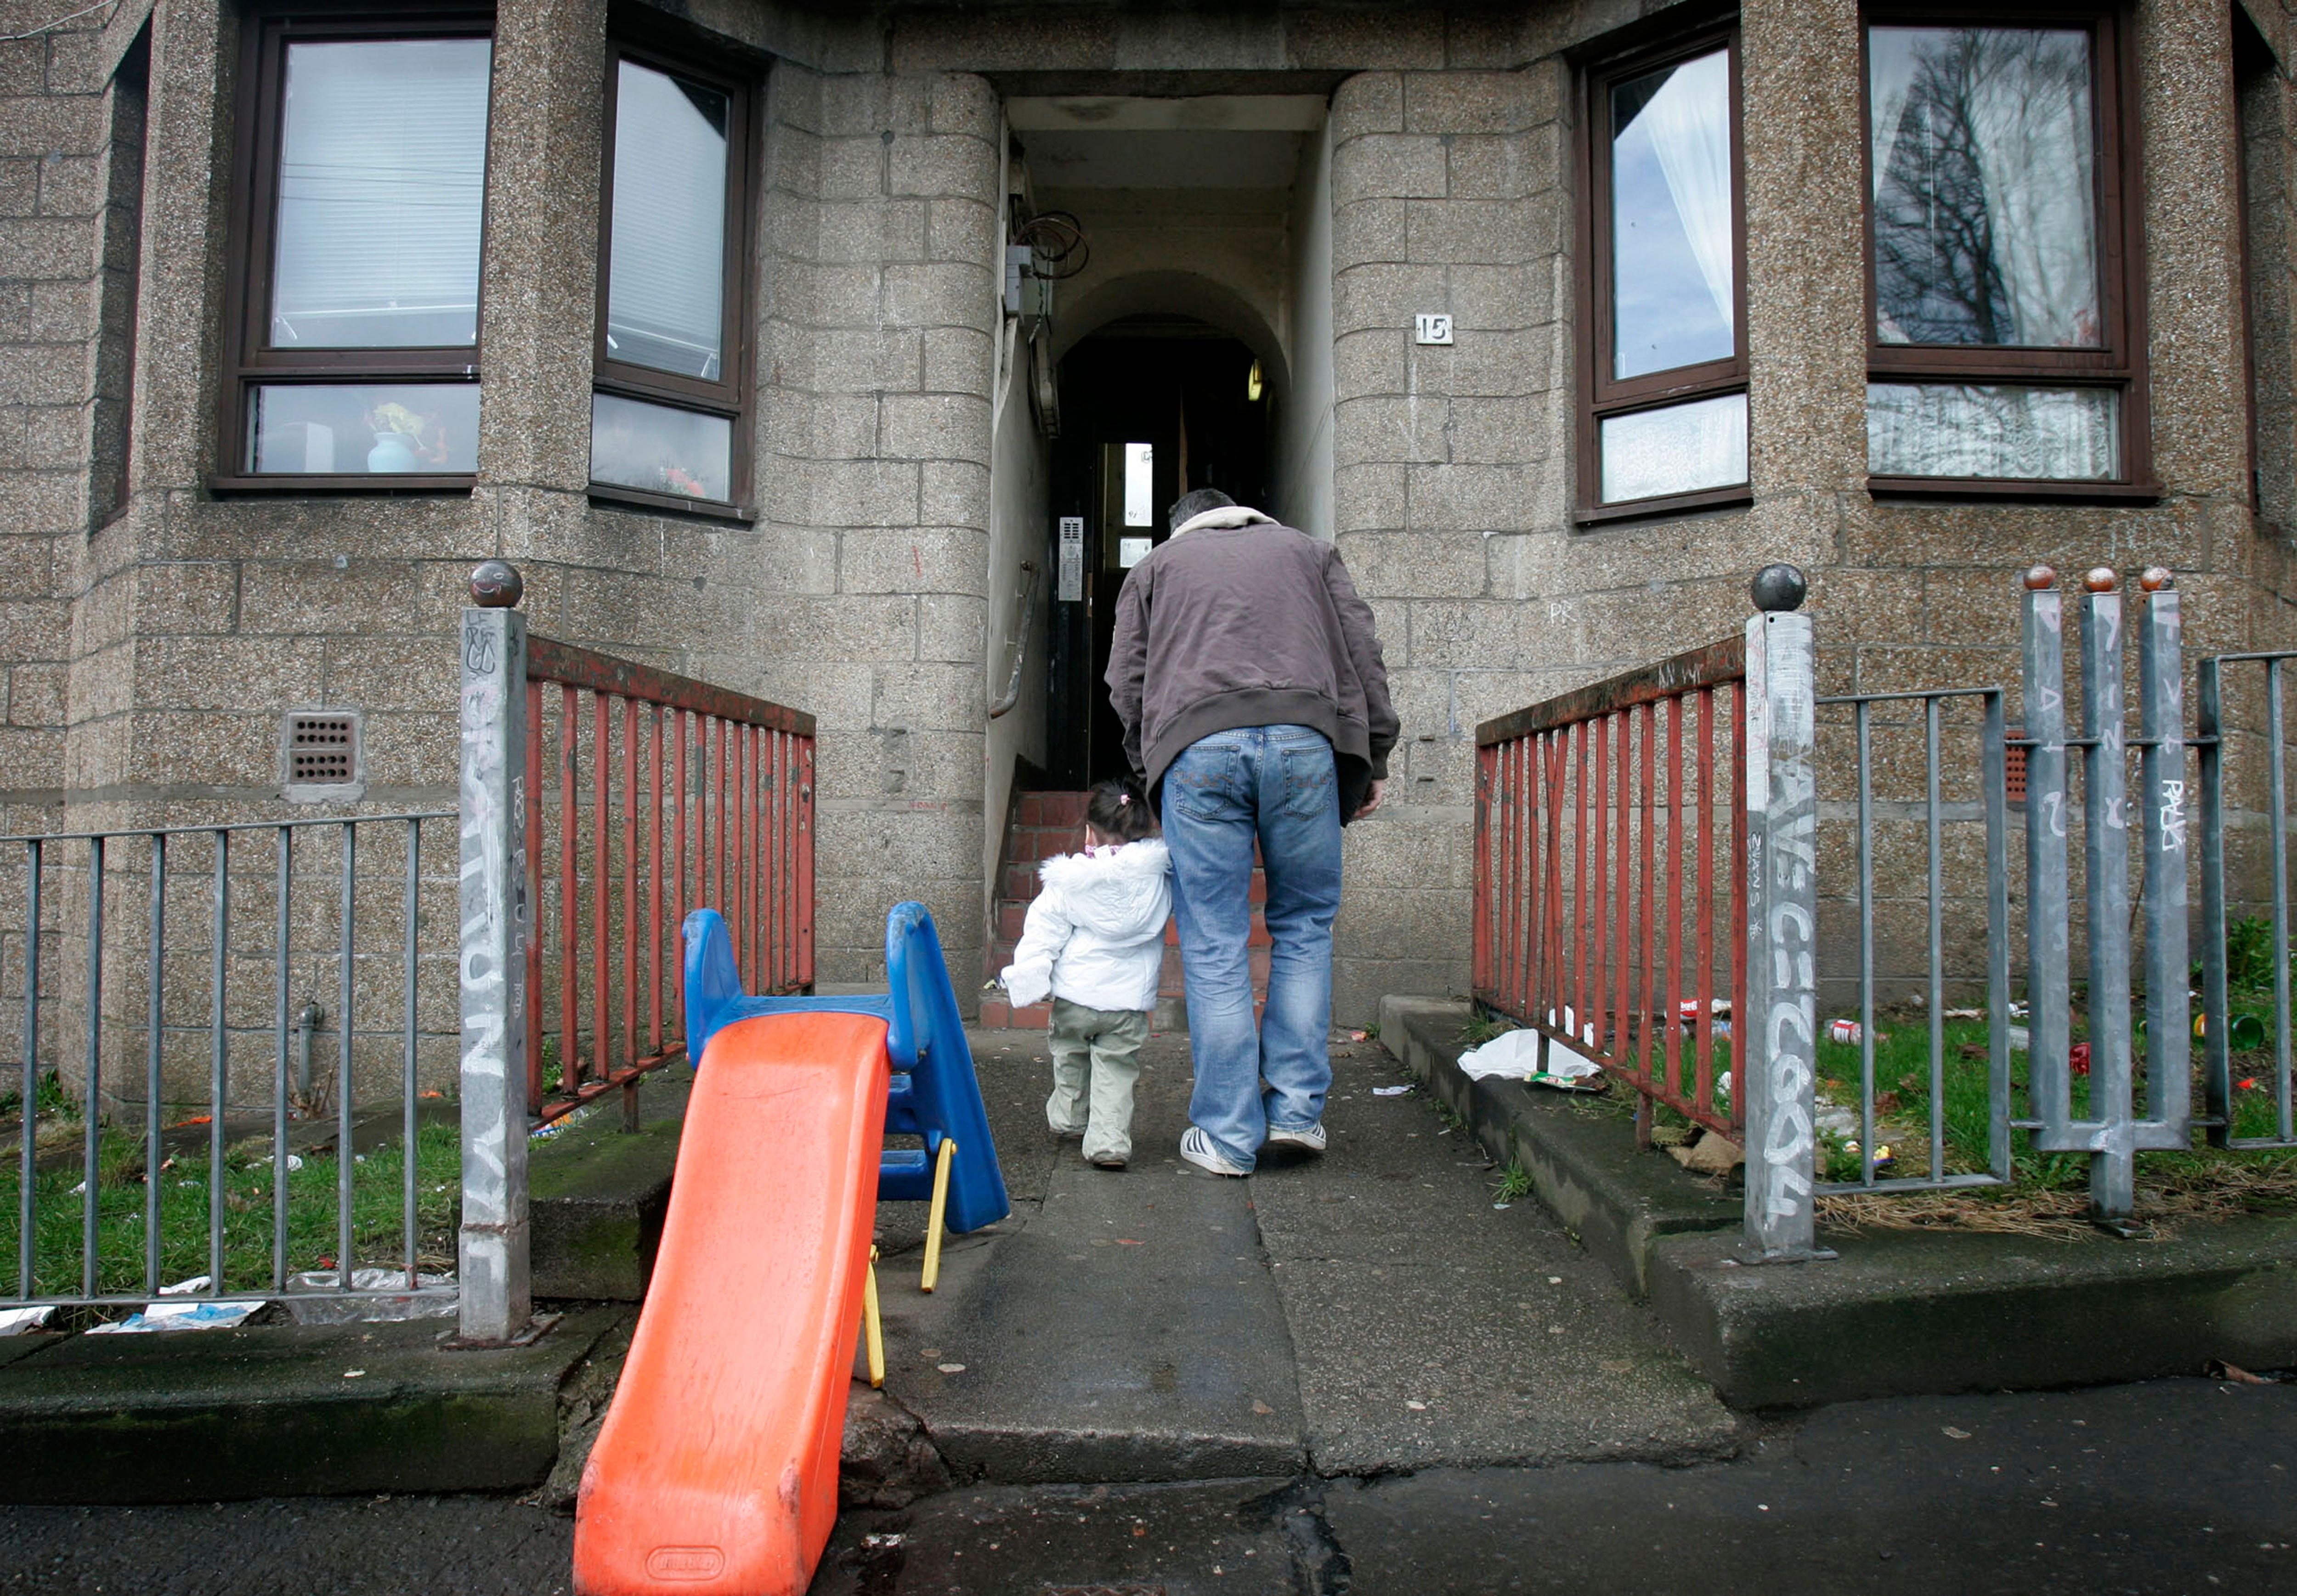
1183	389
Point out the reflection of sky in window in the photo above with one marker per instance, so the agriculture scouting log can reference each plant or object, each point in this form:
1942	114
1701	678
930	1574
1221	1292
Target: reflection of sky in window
1664	311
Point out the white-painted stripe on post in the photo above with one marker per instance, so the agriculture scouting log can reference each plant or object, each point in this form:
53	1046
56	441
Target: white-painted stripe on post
1776	1039
495	919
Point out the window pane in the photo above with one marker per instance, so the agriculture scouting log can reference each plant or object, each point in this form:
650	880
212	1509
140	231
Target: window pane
1970	430
1984	158
637	445
665	283
356	428
1140	477
1674	297
383	155
1679	449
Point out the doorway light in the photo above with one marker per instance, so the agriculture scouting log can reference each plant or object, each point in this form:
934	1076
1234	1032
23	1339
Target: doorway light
1252	381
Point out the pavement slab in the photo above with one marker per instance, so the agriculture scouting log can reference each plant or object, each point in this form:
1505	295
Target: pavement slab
1233	1537
2177	1486
1120	1326
1435	1326
1364	1311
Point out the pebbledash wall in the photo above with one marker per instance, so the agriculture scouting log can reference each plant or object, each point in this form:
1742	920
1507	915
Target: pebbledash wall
151	636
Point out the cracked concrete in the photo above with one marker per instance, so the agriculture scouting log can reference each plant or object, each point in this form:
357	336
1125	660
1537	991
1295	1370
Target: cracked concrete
1369	1312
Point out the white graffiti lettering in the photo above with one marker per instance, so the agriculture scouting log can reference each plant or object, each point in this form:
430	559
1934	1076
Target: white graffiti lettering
2173	816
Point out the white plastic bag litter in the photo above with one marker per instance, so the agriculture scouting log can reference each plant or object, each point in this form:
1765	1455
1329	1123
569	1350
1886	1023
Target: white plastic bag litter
16	1321
1515	1057
435	1297
203	1315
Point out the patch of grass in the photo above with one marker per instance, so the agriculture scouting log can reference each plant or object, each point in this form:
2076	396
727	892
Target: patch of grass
1514	1186
377	1216
1482	1025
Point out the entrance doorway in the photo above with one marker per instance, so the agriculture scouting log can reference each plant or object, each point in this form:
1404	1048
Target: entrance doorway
1151	407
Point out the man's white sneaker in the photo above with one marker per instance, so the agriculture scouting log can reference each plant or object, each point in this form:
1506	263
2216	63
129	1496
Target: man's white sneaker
1199	1149
1311	1137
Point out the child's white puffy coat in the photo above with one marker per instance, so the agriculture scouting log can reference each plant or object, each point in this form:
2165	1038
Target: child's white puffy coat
1095	934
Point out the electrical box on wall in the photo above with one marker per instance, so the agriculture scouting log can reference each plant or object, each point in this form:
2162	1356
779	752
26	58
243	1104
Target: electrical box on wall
1027	295
1070	587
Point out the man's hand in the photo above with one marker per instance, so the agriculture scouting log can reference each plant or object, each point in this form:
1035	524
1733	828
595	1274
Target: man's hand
1372	798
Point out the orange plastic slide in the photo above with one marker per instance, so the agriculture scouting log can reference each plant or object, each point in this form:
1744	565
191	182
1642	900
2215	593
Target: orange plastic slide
716	1470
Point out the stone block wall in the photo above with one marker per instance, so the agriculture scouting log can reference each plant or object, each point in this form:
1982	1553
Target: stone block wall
869	571
149	643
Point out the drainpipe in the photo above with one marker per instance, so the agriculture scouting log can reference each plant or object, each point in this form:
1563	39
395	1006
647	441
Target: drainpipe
1020	642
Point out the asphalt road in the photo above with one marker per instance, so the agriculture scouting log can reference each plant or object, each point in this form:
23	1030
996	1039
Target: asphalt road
2173	1486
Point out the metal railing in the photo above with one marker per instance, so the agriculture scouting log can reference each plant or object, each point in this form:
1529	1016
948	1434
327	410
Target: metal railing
2219	732
1947	802
2107	1124
235	923
1587	837
694	795
1598	962
1582	928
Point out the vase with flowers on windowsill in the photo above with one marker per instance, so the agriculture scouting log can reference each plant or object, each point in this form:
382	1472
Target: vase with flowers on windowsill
404	439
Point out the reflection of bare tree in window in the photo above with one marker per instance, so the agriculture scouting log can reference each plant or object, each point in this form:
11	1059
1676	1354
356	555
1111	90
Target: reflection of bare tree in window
1984	230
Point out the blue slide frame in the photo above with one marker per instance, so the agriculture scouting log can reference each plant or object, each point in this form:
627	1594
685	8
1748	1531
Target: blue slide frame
934	1093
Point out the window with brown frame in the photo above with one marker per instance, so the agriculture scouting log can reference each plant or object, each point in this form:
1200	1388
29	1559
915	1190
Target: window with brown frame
1663	415
352	334
2004	346
672	370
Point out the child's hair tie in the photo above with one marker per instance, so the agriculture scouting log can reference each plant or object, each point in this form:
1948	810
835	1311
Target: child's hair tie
1123	799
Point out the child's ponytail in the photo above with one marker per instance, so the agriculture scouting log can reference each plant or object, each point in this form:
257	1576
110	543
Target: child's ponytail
1118	810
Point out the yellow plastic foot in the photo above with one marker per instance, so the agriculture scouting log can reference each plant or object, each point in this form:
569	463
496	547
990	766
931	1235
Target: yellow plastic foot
932	1218
873	1333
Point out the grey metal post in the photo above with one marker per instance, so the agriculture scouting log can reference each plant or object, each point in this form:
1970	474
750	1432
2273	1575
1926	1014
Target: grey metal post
2048	984
2105	856
2217	1072
493	913
2162	794
1777	1036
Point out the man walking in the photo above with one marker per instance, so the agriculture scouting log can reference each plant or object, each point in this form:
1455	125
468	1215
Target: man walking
1255	704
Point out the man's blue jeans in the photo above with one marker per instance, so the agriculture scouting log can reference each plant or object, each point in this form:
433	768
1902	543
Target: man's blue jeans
1274	784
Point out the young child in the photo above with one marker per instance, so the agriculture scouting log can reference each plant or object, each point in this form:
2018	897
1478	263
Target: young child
1095	939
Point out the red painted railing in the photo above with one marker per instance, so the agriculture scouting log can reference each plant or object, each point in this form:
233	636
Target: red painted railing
1610	875
666	794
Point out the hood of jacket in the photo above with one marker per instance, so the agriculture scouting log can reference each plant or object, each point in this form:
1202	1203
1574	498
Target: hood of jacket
1225	516
1122	888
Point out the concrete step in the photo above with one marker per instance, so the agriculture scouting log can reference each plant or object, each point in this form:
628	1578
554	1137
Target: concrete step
1898	1313
283	1410
597	1195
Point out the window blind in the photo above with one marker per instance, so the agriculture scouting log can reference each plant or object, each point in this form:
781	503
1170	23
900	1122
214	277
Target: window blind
382	187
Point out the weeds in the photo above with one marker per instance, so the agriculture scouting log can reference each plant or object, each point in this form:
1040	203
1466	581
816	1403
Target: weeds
377	1218
1482	1025
1515	1185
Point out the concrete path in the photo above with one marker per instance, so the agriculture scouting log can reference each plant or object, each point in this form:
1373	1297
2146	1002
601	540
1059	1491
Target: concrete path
2179	1486
1368	1311
2176	1487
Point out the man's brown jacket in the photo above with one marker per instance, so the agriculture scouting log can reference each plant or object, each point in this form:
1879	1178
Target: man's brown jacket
1237	621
